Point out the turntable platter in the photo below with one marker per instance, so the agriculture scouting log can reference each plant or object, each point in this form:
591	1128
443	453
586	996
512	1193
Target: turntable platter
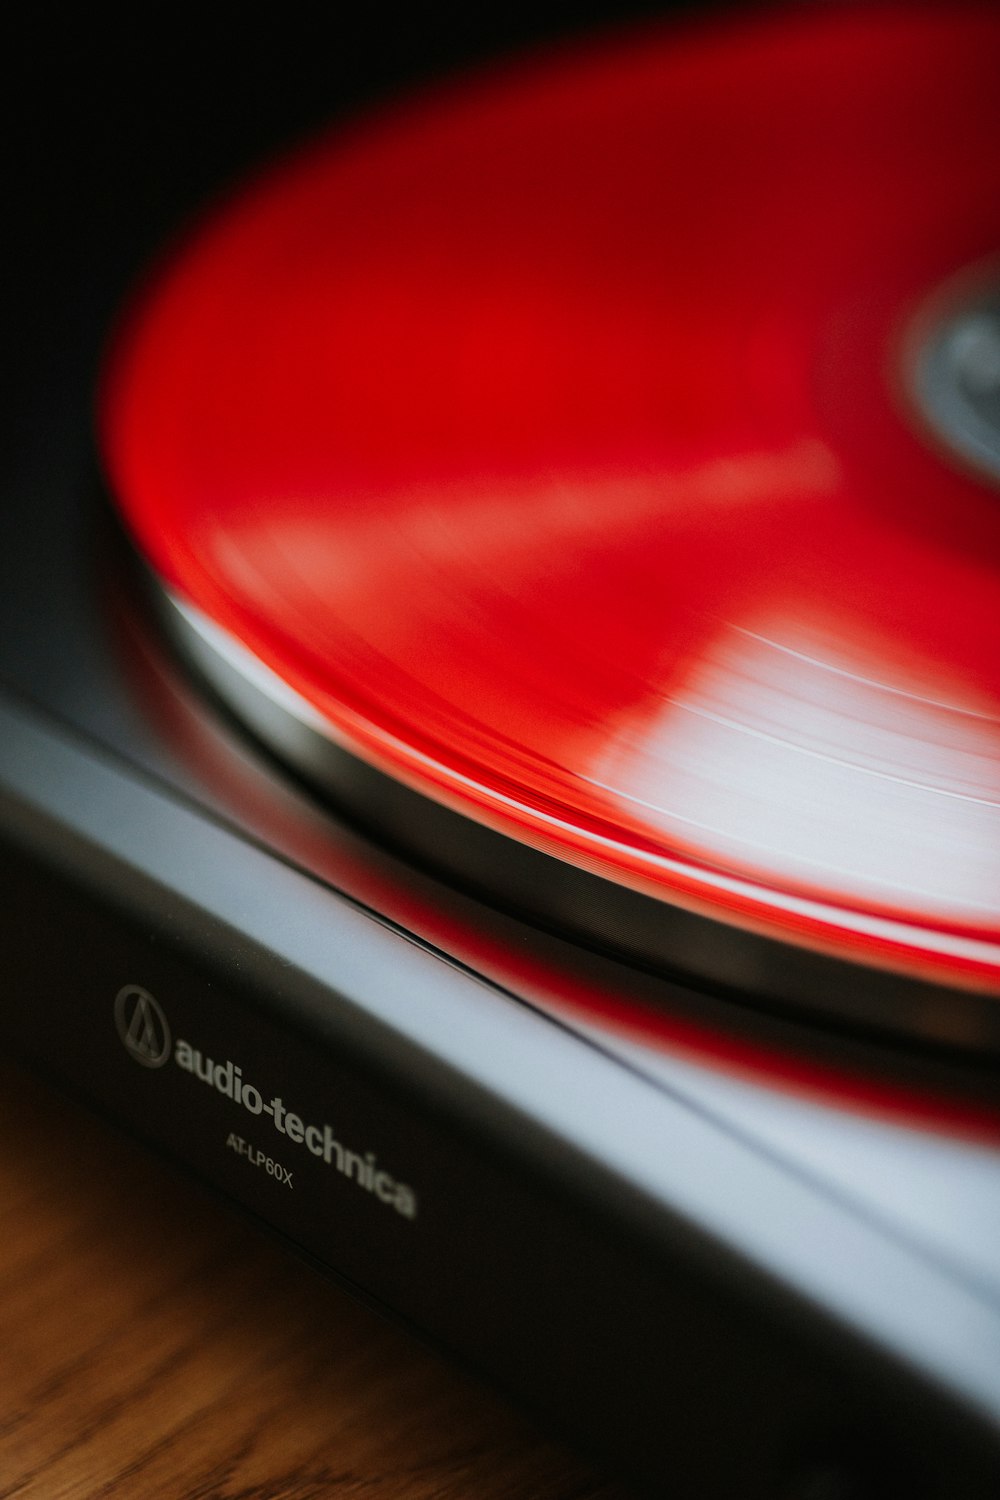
558	447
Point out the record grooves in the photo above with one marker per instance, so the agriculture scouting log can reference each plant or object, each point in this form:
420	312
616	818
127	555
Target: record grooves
571	899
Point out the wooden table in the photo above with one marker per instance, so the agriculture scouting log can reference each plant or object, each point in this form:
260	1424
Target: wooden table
152	1344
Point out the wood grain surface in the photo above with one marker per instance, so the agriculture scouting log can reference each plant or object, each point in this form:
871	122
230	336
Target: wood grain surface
152	1344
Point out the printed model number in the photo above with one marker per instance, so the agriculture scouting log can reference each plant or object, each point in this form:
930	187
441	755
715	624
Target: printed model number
258	1158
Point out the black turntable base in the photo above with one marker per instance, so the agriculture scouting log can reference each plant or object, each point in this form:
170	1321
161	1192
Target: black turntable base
499	768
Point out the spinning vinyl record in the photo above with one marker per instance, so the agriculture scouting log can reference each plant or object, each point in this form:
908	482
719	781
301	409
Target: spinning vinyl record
500	770
605	452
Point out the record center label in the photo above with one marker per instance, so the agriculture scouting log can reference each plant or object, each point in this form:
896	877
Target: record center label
958	380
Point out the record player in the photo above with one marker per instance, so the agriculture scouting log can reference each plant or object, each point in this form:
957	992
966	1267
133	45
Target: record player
500	751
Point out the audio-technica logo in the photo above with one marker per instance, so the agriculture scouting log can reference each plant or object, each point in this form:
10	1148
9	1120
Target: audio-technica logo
142	1026
145	1034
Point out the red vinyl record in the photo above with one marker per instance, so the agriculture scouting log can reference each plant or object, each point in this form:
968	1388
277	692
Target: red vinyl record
579	447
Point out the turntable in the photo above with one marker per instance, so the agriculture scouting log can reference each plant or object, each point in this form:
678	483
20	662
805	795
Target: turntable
510	792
